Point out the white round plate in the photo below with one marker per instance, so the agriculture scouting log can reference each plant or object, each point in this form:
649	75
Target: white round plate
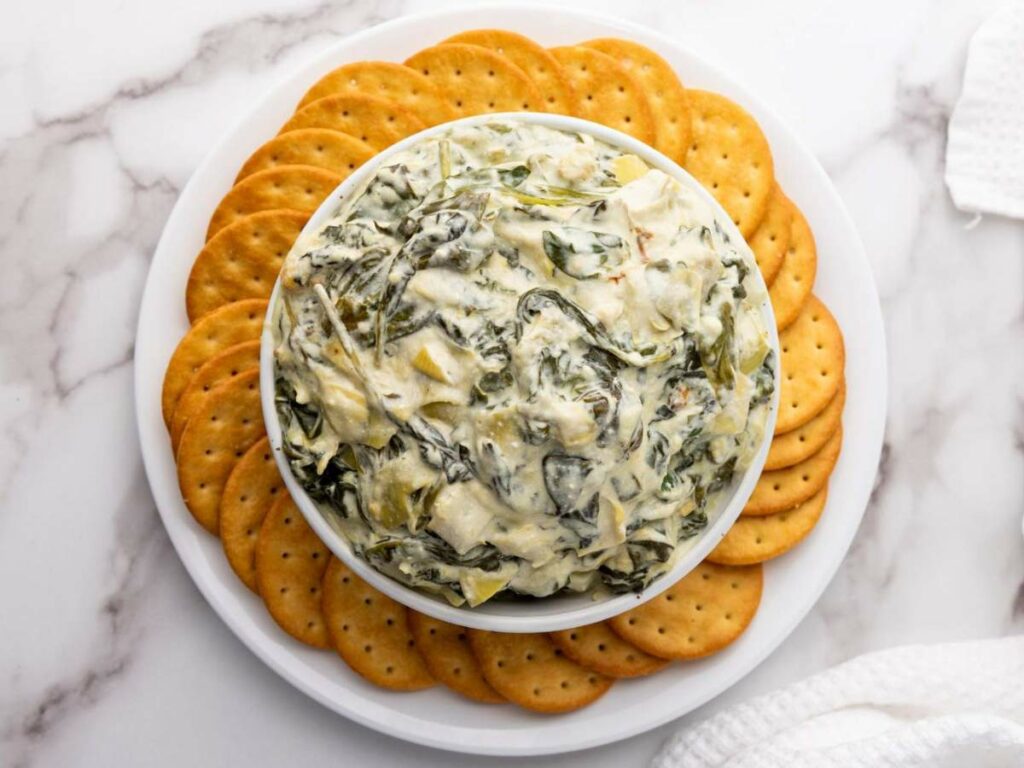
437	717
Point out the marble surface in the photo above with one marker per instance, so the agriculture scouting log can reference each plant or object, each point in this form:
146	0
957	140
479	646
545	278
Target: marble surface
109	655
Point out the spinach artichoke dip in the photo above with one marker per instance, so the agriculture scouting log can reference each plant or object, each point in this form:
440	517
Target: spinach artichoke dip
518	361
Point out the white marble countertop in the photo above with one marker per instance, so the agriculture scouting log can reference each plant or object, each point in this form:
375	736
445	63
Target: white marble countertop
109	655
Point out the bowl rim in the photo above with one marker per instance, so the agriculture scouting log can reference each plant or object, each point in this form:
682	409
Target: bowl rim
582	608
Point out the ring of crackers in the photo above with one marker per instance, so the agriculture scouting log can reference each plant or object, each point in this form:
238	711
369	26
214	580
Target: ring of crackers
226	467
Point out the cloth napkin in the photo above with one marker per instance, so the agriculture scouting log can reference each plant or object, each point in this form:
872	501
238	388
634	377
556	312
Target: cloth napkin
956	705
985	148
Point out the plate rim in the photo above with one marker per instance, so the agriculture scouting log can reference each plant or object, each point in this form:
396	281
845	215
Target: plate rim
503	742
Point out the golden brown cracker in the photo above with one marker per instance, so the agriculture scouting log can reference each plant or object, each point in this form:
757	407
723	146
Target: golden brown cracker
531	671
387	80
222	328
215	438
320	147
290	565
757	539
371	119
596	647
475	80
730	156
370	631
783	489
795	279
252	487
538	64
796	445
665	93
222	366
606	93
292	187
241	261
702	613
446	652
770	240
811	368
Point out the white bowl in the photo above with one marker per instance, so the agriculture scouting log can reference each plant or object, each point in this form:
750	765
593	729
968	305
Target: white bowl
562	611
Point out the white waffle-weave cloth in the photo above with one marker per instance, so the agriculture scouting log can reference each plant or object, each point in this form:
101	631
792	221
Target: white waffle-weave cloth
985	146
952	705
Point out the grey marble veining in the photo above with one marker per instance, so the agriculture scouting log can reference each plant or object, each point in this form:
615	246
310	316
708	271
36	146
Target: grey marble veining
108	655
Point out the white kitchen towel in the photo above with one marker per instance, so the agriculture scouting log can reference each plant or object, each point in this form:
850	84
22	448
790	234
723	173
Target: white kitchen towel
955	705
985	147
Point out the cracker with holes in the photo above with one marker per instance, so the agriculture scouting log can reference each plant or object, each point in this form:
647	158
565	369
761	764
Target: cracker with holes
811	368
730	156
770	240
757	539
596	647
371	119
783	489
446	652
320	147
606	93
222	328
539	65
702	613
215	438
531	671
665	94
475	80
292	187
241	261
792	285
225	365
370	631
387	80
290	565
252	487
801	443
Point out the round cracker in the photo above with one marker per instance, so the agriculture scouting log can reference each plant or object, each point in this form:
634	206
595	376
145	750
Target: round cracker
215	438
538	64
222	328
812	363
252	487
730	156
370	631
596	647
293	187
796	445
387	80
770	240
476	80
446	652
700	614
320	147
756	539
241	261
783	489
531	671
290	565
606	93
795	279
371	119
227	364
665	93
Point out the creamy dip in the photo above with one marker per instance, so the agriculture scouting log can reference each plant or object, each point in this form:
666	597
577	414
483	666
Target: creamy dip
518	360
